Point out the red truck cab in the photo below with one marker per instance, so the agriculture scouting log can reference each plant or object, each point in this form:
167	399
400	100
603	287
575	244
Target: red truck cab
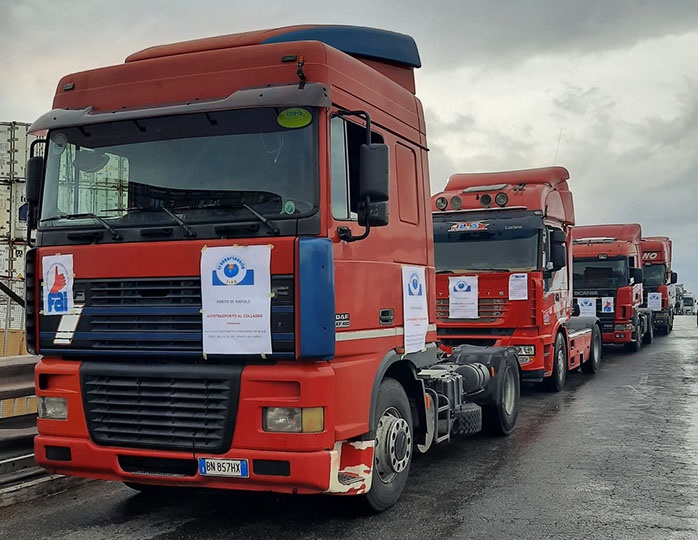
608	280
504	270
233	281
659	282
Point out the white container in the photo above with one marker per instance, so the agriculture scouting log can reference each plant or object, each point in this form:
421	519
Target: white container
12	198
12	261
14	150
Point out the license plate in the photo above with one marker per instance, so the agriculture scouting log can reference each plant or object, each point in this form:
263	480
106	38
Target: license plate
236	468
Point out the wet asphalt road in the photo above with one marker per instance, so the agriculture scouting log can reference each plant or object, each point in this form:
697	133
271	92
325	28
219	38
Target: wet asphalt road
613	456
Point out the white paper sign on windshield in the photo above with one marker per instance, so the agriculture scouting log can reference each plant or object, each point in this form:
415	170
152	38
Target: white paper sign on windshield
462	297
607	304
587	307
414	302
57	273
518	287
236	299
654	301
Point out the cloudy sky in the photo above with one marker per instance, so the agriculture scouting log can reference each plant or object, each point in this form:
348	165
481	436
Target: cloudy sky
606	88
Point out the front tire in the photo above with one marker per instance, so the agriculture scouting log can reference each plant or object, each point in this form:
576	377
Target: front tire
500	419
393	446
591	366
556	381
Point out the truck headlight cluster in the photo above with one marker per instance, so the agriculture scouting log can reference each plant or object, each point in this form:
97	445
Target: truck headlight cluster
526	353
293	419
52	408
623	327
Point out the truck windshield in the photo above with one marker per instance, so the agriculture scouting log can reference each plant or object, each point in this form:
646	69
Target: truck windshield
494	250
600	274
204	167
688	301
654	275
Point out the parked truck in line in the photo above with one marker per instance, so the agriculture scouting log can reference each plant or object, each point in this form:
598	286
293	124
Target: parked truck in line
689	303
659	282
678	305
608	279
503	256
233	279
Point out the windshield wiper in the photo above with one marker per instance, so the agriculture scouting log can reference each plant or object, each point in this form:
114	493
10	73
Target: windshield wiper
115	234
187	229
274	230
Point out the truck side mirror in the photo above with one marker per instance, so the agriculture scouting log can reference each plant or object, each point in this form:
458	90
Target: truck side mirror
35	171
558	251
374	190
674	277
636	275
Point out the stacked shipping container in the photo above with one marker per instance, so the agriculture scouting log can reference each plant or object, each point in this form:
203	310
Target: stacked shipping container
14	151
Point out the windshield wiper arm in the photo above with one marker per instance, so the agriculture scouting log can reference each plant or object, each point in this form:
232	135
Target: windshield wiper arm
187	229
115	234
274	230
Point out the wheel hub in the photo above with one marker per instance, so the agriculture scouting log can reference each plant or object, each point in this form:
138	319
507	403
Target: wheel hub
393	445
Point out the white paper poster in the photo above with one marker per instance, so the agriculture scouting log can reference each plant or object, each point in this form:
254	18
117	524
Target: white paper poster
57	273
587	307
654	301
236	299
607	304
414	303
518	287
462	297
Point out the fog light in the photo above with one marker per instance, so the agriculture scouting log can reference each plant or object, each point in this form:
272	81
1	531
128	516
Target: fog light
441	203
293	419
523	360
52	408
501	199
456	202
486	199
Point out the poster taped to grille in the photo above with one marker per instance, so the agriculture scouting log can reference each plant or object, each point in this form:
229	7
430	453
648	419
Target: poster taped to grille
414	302
463	297
654	301
236	299
587	307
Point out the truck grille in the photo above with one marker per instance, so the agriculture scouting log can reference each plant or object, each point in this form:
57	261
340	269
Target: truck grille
490	310
164	407
147	316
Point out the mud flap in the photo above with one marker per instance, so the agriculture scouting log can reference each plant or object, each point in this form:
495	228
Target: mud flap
351	467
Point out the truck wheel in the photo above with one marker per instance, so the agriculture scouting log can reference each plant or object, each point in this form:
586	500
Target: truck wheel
393	446
648	336
556	381
500	419
592	364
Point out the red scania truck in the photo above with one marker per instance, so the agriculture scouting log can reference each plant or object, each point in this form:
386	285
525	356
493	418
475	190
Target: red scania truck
503	263
608	280
658	281
233	279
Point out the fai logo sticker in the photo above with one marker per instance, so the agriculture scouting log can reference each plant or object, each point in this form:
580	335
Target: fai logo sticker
414	286
461	286
57	284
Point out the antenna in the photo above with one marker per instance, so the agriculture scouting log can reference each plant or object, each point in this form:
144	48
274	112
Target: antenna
559	138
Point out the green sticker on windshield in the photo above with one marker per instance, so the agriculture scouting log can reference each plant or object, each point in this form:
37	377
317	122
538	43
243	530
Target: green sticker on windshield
294	118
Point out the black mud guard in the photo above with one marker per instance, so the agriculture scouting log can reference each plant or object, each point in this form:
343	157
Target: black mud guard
490	357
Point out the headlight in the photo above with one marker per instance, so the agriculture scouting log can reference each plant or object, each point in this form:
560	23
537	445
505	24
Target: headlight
293	419
501	199
441	203
52	408
623	327
528	350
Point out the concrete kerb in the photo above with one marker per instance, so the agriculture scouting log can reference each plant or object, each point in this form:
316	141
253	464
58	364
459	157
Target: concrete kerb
37	488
